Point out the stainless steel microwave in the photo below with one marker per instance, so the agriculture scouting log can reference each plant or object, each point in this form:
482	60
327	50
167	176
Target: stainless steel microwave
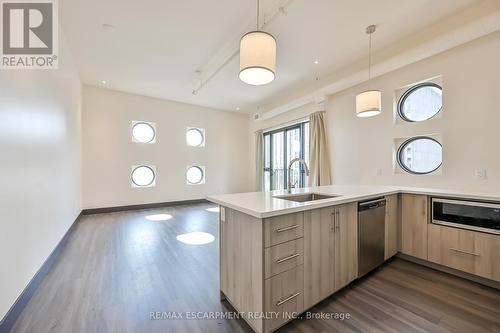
477	216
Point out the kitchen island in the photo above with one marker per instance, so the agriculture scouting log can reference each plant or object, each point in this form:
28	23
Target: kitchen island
280	253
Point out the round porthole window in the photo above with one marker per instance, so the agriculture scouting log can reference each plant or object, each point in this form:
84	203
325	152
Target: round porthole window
195	137
420	155
195	175
143	132
143	176
421	102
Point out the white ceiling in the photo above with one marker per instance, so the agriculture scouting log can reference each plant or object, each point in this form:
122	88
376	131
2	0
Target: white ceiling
157	45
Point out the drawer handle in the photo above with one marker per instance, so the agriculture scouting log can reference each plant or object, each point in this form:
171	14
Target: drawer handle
466	252
289	298
288	228
288	258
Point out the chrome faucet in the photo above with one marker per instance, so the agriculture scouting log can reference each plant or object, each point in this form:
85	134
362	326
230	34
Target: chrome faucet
290	171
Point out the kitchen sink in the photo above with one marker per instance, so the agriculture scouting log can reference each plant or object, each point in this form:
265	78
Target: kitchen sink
305	197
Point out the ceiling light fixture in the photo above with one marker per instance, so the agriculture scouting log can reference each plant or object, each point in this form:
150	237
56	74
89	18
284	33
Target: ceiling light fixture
316	62
369	103
257	56
104	82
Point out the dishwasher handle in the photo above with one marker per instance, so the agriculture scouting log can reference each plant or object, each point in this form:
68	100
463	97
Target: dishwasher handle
376	203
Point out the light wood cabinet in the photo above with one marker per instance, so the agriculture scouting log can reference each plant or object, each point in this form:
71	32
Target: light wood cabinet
288	263
283	257
279	229
414	220
319	247
284	296
261	268
330	251
391	225
241	263
469	251
346	245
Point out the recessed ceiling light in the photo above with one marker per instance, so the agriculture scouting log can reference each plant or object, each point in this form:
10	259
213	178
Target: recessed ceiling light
237	108
104	81
316	62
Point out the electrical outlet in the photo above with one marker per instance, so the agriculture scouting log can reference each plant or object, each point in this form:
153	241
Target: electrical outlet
481	174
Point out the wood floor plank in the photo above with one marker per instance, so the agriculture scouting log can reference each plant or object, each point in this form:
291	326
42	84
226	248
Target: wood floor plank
119	267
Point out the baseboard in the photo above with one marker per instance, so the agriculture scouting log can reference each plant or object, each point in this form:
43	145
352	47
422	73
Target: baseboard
464	275
15	311
114	209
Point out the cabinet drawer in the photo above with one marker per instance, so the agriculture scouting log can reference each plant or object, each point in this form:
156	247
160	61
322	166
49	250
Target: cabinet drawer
282	257
469	251
280	229
284	295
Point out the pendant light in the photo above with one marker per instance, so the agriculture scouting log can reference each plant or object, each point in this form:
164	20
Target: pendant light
257	56
369	103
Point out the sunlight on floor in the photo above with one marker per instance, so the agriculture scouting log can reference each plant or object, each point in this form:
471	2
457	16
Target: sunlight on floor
159	217
213	209
196	238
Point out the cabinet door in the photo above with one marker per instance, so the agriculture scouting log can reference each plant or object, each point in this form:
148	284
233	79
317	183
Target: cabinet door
391	225
318	255
469	251
346	245
414	225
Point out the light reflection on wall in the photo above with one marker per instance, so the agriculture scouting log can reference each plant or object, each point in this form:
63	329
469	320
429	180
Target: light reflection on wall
33	125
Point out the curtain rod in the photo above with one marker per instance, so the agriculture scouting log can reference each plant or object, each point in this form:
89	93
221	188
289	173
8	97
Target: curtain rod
287	123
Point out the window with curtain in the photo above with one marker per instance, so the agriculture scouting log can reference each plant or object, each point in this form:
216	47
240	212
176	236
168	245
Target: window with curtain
280	147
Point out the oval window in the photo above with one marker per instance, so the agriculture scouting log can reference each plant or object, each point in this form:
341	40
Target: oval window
143	132
195	175
195	137
421	102
143	176
420	155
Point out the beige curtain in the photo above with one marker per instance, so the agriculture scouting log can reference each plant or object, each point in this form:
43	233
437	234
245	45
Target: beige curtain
320	158
259	154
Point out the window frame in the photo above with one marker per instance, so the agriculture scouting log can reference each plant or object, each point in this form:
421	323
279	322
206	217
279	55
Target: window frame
140	122
150	167
408	92
202	133
408	141
301	127
203	174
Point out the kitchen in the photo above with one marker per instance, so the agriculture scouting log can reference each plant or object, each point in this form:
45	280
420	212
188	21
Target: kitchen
251	166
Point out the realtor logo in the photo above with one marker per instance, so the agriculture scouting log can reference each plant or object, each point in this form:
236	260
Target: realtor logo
29	34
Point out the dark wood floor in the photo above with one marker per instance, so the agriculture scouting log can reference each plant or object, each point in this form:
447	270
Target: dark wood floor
118	268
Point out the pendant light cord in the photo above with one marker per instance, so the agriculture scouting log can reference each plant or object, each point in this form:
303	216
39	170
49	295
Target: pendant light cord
369	57
258	10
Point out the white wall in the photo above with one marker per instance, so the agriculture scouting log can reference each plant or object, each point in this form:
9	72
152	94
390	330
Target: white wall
40	169
109	153
362	150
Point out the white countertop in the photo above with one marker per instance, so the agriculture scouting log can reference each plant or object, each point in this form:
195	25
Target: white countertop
264	204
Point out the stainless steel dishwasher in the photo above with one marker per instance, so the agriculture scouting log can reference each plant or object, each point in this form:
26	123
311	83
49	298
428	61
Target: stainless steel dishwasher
371	235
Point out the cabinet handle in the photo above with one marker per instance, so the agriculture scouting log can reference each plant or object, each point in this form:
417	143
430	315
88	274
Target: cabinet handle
288	258
289	298
287	228
466	252
334	221
338	219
